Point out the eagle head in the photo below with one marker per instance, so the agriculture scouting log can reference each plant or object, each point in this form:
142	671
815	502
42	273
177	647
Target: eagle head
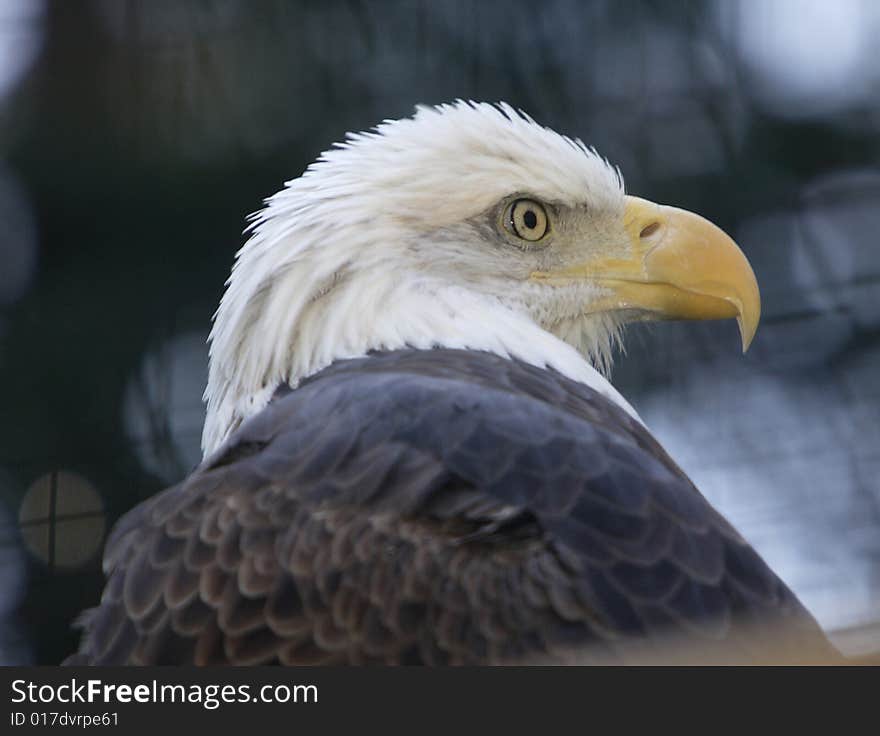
469	226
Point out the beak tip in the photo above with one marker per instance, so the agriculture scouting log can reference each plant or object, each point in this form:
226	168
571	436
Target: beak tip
747	330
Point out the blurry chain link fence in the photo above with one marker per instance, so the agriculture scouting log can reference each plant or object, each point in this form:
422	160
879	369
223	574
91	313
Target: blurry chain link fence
136	136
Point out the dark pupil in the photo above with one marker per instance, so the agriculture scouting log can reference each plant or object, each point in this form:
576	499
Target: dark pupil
530	219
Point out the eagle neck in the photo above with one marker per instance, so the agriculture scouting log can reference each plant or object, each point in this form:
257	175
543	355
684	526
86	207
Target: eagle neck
348	321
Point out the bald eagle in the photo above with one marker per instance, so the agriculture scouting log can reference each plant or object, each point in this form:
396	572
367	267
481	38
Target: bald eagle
412	453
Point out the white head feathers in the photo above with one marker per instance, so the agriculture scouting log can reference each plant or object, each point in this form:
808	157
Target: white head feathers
382	244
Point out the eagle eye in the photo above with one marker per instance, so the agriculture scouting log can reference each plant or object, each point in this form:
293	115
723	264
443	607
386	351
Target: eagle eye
527	219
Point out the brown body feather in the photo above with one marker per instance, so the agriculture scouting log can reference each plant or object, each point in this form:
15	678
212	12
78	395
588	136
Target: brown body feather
438	507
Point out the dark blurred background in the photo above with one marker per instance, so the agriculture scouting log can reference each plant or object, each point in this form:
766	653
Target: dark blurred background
136	136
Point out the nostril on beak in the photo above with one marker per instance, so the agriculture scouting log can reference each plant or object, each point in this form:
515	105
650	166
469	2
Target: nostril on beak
649	230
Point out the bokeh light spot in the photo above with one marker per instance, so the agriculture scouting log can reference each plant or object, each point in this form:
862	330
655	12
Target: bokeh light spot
62	522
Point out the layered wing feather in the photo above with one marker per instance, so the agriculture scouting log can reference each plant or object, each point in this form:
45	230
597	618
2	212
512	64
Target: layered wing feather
436	507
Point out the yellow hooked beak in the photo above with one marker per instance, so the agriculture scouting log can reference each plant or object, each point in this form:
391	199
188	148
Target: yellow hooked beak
681	267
